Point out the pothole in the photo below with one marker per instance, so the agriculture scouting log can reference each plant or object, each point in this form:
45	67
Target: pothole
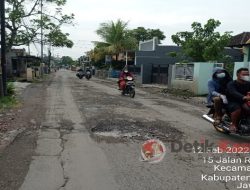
106	100
124	130
66	125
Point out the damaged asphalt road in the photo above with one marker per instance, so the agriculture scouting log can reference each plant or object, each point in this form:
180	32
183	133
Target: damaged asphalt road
91	138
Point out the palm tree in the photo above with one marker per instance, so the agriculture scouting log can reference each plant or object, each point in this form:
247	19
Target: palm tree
116	37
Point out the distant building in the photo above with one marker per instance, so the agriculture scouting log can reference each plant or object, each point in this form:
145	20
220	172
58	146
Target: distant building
18	61
242	42
11	66
155	61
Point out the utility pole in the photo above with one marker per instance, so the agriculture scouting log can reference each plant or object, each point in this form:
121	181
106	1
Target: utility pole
3	48
49	63
42	30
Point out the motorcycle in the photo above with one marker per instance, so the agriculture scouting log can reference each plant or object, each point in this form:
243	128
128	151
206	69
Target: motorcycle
80	74
223	126
88	75
130	87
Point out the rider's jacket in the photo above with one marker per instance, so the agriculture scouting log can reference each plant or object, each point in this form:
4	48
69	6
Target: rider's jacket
236	91
217	86
123	75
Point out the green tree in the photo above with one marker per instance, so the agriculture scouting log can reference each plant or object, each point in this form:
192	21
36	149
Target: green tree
142	34
203	43
67	60
116	36
24	22
97	58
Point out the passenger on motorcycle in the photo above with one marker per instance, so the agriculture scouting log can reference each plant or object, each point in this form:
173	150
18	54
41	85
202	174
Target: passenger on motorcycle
88	69
122	78
237	96
217	92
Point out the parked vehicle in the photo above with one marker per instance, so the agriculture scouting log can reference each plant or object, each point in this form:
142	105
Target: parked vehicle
80	74
130	87
223	127
88	74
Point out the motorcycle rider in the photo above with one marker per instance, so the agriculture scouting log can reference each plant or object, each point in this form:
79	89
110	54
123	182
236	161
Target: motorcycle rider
87	69
80	72
217	92
122	78
237	96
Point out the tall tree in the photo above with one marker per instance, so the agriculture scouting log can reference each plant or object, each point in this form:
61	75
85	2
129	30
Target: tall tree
24	21
142	34
116	37
203	43
67	60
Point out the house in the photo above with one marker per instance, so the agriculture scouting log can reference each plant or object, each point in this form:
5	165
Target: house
154	61
194	76
128	56
158	66
122	59
13	66
241	42
18	62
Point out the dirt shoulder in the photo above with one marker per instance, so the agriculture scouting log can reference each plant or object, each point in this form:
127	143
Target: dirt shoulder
18	134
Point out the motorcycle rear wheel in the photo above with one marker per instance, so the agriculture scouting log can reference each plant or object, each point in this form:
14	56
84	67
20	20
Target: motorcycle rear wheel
132	93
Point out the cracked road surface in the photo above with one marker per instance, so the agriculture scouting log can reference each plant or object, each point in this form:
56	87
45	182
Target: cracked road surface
91	139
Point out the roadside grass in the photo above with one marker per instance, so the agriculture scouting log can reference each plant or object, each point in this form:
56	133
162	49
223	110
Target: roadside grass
10	89
178	92
9	101
41	78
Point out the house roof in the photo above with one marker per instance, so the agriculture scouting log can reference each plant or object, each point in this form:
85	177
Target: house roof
240	40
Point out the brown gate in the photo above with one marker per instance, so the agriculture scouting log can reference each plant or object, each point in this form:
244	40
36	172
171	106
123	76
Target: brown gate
159	74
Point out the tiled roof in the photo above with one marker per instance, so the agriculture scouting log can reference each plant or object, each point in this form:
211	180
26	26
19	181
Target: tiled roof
240	40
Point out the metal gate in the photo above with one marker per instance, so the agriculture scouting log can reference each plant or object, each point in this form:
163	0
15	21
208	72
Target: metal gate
159	74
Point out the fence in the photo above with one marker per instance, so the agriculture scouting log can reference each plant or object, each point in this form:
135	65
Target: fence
101	74
184	71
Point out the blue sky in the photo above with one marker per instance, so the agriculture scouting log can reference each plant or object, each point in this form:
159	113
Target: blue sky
170	16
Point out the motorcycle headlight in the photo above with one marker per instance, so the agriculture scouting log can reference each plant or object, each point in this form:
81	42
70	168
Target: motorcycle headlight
129	78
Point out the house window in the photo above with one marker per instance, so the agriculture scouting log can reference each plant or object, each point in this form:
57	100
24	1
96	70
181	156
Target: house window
184	71
221	65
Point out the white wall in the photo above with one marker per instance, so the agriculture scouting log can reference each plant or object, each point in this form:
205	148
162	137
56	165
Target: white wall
202	73
238	65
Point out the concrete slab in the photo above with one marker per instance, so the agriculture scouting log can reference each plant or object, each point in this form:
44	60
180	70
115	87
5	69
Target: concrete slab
50	125
45	173
49	134
85	165
49	147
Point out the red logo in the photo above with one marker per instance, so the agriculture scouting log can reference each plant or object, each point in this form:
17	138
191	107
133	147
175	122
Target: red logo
153	151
